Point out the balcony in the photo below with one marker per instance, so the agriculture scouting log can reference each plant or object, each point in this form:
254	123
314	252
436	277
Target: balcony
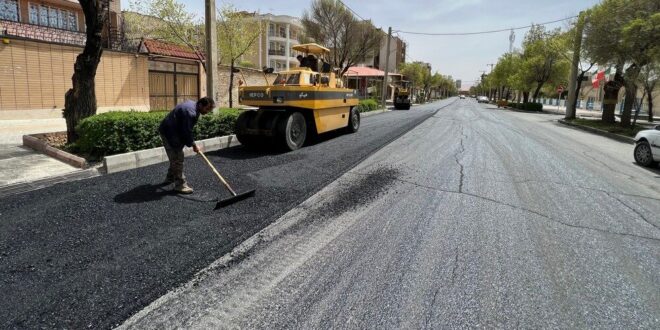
276	52
43	33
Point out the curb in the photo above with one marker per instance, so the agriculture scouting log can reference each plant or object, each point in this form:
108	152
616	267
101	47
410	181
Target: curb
63	156
371	113
600	132
142	158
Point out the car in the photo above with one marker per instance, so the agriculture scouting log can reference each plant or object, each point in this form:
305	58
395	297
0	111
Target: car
483	99
647	147
462	97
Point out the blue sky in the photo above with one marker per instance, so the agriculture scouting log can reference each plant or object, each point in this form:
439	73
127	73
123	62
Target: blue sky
462	57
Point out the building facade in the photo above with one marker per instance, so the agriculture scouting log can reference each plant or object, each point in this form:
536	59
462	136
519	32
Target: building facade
59	21
273	48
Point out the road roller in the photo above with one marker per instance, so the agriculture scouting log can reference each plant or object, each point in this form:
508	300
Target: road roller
300	104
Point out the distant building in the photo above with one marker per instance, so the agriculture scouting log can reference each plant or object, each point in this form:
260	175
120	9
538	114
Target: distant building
273	48
397	55
458	84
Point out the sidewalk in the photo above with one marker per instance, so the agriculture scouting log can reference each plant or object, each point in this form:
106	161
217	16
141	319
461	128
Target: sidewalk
21	165
596	114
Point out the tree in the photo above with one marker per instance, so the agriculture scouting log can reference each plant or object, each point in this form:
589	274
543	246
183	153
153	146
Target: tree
649	79
626	35
168	21
542	55
237	32
350	41
80	100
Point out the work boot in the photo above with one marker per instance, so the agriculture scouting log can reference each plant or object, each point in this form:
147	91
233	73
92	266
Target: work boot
183	189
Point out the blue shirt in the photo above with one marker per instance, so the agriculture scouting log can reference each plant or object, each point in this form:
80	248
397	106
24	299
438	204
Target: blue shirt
177	127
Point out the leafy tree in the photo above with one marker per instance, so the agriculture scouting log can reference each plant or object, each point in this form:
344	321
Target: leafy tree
350	40
237	32
542	57
625	34
80	100
166	20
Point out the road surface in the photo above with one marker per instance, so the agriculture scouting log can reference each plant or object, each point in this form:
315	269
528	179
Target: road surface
476	218
91	253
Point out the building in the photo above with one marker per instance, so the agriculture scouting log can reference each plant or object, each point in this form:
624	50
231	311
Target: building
397	55
459	84
59	21
273	49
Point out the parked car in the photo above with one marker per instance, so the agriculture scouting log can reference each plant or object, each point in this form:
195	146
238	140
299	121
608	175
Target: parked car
462	97
647	147
483	99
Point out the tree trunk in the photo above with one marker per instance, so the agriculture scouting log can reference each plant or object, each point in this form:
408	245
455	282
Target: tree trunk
631	94
650	102
578	86
537	91
231	84
525	97
80	100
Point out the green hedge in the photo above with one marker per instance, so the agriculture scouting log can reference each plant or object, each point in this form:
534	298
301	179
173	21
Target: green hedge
529	106
367	105
119	132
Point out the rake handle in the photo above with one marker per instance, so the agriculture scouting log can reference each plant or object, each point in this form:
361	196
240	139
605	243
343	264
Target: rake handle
217	173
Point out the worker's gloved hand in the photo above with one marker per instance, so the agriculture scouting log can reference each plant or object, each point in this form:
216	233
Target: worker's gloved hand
196	149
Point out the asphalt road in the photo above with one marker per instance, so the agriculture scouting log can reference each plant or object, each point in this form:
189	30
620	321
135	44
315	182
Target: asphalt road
91	253
476	218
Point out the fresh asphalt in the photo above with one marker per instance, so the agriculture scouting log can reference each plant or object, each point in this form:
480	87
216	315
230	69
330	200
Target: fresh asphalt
477	218
91	253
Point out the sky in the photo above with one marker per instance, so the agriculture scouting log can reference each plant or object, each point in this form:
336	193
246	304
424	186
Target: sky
462	57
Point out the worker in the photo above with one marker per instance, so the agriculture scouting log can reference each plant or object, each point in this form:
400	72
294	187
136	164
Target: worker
303	61
176	131
313	63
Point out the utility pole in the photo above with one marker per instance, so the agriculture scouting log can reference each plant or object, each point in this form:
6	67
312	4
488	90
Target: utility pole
512	38
387	67
211	51
572	79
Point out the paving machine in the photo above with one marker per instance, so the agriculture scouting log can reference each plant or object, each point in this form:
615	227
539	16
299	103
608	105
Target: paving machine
402	95
300	103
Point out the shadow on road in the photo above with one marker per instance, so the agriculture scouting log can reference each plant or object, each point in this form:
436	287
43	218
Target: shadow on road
143	194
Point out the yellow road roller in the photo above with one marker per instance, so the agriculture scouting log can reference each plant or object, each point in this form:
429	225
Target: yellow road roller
299	104
402	95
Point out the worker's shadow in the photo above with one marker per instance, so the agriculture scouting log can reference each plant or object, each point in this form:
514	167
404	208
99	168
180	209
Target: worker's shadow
144	194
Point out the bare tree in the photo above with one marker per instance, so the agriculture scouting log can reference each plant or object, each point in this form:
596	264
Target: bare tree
237	33
350	40
80	100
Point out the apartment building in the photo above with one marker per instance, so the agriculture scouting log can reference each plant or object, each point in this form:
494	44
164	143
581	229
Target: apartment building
273	49
59	21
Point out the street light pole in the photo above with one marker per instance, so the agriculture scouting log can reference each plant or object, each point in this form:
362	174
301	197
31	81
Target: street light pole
211	51
387	67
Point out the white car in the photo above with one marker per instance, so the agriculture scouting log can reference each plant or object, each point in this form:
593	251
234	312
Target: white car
647	147
462	97
482	99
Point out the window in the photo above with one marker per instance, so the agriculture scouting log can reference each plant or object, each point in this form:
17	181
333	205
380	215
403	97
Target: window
34	14
53	17
43	15
9	10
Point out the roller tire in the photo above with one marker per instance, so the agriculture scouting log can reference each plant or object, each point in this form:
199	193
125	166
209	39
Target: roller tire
243	122
353	121
292	131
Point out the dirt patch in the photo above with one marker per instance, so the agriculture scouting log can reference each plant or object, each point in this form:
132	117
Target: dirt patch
56	140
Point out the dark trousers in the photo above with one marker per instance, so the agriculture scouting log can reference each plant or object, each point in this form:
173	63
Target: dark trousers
175	155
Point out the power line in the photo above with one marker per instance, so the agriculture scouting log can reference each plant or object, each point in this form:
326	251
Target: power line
351	10
485	32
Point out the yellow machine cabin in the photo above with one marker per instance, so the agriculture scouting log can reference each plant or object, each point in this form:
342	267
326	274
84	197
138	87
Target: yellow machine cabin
300	103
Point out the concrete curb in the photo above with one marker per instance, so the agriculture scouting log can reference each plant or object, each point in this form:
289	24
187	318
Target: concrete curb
620	138
142	158
63	156
371	113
